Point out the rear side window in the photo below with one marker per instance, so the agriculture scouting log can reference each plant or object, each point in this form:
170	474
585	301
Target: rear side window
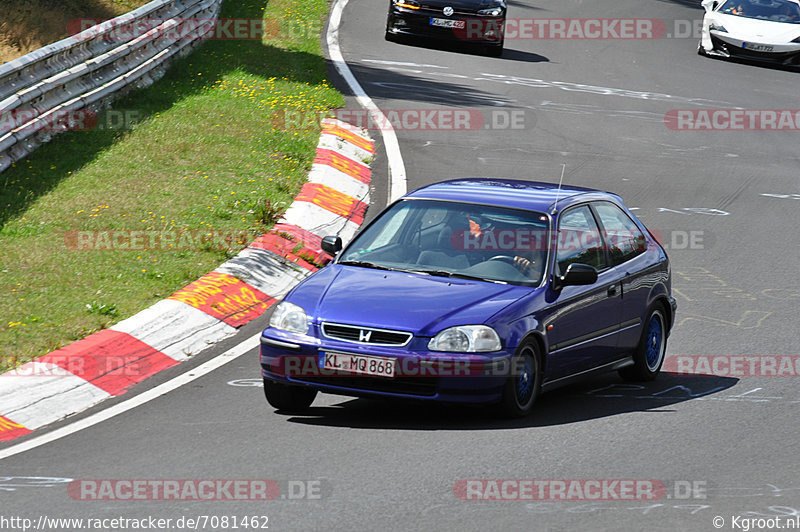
622	235
579	240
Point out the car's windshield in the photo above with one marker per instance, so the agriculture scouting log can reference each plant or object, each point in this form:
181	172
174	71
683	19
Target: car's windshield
772	10
455	239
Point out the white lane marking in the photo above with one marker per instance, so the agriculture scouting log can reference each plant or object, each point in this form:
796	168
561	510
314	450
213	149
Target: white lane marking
401	69
397	171
144	397
247	383
593	89
562	85
448	75
15	483
401	63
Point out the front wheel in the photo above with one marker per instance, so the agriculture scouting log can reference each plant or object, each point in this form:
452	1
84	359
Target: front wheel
494	50
287	397
649	355
524	381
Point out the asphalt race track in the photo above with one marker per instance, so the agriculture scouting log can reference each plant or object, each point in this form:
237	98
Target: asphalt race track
726	204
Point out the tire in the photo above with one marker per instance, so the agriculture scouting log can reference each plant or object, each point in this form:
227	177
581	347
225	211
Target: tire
287	397
494	50
701	50
649	354
524	382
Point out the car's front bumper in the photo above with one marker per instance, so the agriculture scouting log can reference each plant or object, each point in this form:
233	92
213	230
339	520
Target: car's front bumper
470	28
421	374
726	45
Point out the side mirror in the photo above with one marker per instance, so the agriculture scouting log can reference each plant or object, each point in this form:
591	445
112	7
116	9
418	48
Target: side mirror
331	244
576	274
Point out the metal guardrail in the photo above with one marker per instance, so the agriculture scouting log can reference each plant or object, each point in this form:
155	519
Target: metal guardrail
40	92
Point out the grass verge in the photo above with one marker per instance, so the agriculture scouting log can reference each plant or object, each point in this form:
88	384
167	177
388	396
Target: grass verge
195	154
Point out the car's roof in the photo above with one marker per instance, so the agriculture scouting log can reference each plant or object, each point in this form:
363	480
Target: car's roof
517	194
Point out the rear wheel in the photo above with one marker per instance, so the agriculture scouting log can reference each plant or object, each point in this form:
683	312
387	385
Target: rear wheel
287	397
524	381
649	355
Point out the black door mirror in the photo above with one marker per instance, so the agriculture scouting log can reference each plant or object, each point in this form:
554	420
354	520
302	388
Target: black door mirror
576	274
331	244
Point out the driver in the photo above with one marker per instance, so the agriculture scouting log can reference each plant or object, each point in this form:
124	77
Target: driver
529	260
530	263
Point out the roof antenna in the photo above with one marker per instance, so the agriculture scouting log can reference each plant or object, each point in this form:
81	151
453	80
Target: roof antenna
558	192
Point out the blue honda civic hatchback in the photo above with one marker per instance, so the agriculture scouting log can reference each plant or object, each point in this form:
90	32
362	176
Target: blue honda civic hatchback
475	291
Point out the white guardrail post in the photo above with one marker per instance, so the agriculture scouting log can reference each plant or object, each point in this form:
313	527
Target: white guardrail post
41	93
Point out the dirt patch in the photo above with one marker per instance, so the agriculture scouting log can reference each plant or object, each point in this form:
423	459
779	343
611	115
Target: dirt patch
30	24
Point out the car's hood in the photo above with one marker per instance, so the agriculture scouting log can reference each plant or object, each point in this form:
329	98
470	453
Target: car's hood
421	304
760	31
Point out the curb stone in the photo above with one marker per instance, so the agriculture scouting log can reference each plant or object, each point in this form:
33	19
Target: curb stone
107	363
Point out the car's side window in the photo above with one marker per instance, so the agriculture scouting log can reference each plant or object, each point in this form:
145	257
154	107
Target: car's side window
579	240
622	235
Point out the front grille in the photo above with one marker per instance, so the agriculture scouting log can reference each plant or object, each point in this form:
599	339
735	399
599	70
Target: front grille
365	335
744	53
422	386
437	11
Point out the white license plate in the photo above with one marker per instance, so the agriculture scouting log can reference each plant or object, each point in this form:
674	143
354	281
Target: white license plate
758	47
364	365
447	23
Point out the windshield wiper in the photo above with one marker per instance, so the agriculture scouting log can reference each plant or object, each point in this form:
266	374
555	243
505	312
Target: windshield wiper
445	273
364	264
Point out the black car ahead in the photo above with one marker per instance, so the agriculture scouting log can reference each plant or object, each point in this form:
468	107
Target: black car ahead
469	21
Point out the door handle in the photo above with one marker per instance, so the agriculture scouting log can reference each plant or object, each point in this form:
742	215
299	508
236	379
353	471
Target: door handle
612	290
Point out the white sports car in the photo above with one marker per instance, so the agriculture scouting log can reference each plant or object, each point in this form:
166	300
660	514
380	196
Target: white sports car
762	30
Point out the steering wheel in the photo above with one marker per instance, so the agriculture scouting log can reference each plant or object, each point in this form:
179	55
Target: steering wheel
505	258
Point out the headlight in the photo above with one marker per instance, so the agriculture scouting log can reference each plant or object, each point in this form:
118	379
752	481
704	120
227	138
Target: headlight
408	4
289	317
466	339
495	11
717	27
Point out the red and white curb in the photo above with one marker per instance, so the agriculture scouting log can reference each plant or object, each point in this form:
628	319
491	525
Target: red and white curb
108	363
